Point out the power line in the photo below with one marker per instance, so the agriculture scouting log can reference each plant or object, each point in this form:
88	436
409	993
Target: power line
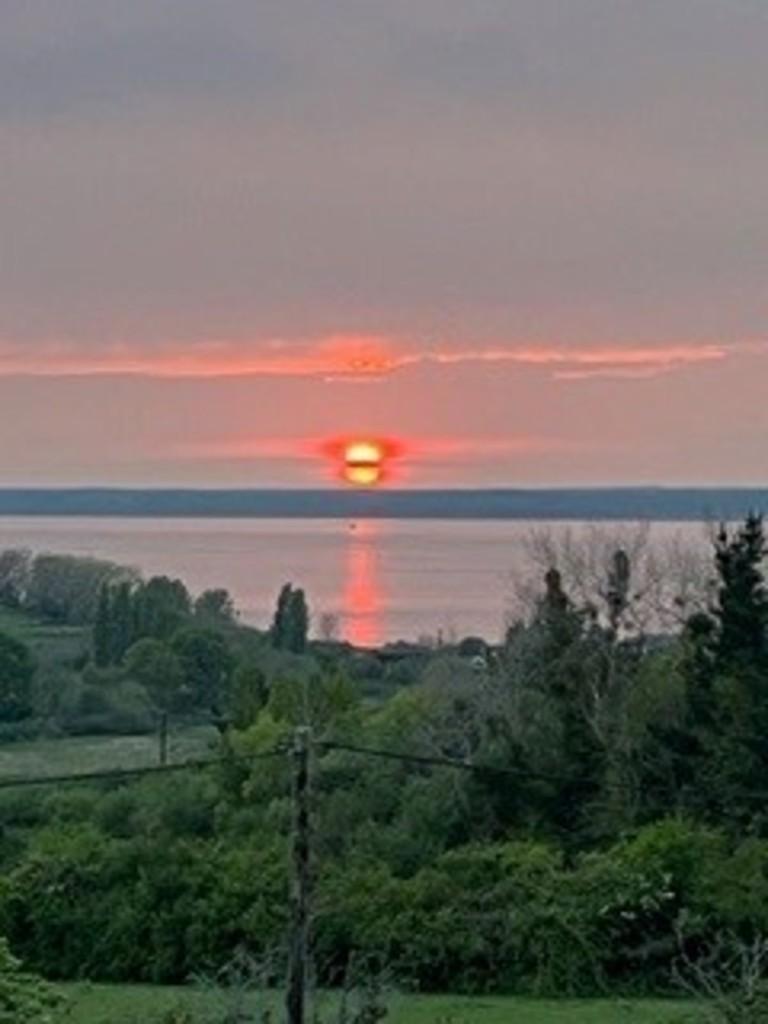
426	760
466	765
127	773
516	773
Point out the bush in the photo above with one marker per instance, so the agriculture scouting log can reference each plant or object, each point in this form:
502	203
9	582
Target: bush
24	998
16	670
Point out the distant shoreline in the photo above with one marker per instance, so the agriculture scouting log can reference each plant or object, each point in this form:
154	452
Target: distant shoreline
591	503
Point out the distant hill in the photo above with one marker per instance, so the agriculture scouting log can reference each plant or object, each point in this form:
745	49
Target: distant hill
659	503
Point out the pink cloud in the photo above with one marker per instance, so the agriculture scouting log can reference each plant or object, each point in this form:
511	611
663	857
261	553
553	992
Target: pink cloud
351	358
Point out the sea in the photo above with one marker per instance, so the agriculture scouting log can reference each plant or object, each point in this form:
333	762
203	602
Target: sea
368	581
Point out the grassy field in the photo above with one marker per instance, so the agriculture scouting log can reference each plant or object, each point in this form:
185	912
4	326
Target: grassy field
62	645
49	642
99	753
115	1004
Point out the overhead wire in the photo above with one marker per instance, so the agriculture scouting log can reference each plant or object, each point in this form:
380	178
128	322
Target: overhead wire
109	774
406	757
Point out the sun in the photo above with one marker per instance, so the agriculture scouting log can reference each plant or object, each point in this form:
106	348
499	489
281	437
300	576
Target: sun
363	462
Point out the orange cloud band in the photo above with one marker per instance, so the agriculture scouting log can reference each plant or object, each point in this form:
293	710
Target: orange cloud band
351	358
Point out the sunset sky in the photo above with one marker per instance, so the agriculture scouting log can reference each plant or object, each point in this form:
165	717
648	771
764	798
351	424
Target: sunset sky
527	239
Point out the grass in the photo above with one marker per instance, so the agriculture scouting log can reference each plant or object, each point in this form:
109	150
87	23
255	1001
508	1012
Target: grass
60	645
126	1004
99	753
49	642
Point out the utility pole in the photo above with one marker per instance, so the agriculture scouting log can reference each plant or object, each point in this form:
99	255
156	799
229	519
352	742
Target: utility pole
163	738
295	997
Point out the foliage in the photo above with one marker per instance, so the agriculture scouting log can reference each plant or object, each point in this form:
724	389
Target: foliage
24	998
729	978
215	608
16	671
161	606
607	802
159	670
248	693
66	588
290	625
14	575
206	665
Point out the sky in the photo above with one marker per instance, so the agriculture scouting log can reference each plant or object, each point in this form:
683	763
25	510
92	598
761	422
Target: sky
525	239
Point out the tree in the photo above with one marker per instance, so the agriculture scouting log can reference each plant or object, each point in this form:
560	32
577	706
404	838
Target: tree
248	694
328	627
158	669
722	746
16	670
290	625
122	624
617	591
66	588
102	628
215	607
278	629
319	700
24	998
14	574
298	623
206	663
741	612
161	606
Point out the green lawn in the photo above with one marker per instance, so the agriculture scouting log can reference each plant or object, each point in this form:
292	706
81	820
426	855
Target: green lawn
115	1004
99	753
49	642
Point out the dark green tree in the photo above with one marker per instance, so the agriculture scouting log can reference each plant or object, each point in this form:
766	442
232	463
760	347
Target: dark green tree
298	622
17	668
102	628
159	670
24	998
249	693
278	630
726	719
290	625
161	607
206	663
741	612
122	621
215	607
617	591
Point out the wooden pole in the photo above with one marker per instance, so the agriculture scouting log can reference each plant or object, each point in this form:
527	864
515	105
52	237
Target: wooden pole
295	997
163	738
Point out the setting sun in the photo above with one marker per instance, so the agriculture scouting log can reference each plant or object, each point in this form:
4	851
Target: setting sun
363	462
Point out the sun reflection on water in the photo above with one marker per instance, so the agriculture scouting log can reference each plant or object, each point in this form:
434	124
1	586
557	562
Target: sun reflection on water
362	598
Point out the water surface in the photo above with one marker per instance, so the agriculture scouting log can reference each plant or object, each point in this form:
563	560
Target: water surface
381	579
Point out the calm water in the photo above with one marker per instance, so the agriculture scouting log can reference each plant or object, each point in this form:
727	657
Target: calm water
383	579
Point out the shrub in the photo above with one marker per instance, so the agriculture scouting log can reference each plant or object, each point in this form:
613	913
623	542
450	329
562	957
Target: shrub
24	998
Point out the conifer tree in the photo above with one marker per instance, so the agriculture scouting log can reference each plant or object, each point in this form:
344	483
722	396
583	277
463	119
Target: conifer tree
741	613
298	622
290	625
278	631
102	628
122	634
727	674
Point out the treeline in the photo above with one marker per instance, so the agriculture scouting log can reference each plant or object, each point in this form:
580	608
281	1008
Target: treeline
94	647
609	813
59	588
90	646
